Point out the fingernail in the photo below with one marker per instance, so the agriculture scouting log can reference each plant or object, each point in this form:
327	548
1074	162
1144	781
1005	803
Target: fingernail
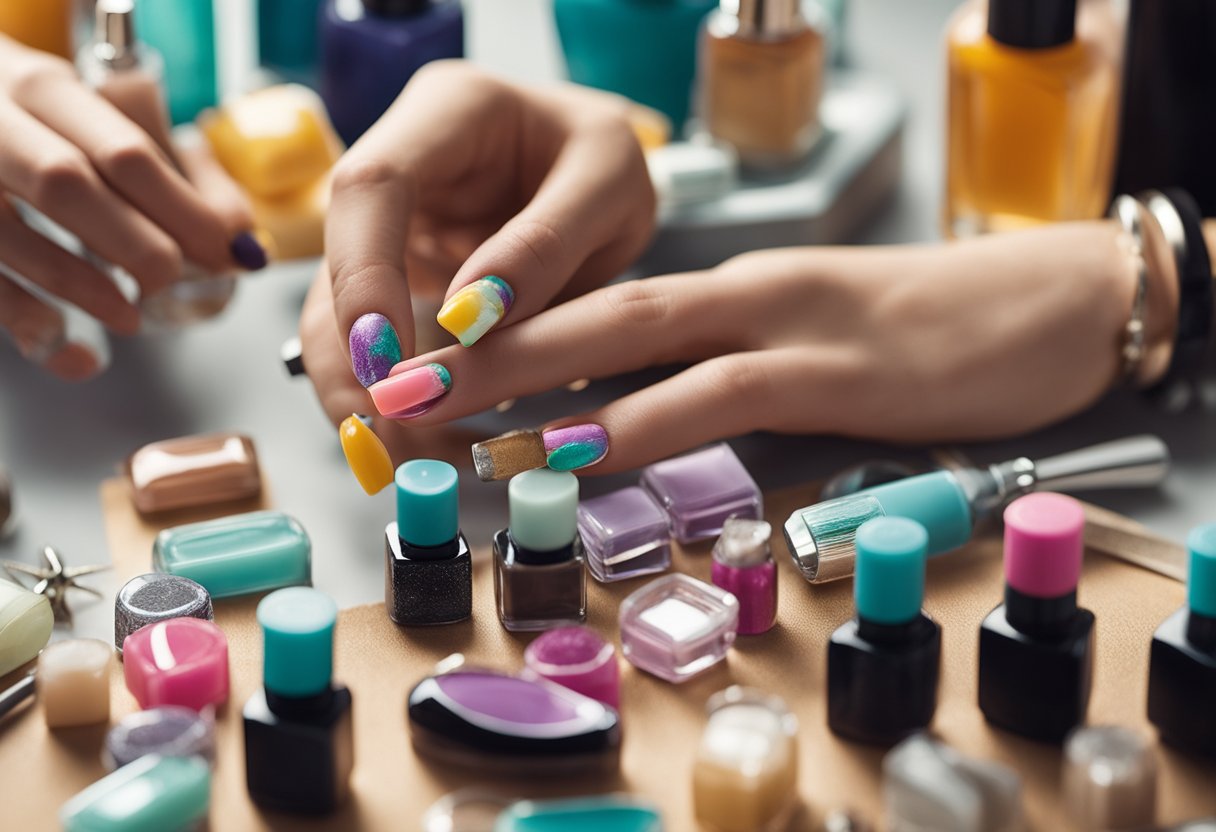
374	348
365	453
248	252
411	393
475	309
512	453
575	447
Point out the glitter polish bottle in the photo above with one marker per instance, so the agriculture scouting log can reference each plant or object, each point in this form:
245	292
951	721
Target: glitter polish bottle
428	569
539	577
743	566
883	665
1036	649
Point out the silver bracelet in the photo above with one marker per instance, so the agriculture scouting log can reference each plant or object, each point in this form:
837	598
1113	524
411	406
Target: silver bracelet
1126	209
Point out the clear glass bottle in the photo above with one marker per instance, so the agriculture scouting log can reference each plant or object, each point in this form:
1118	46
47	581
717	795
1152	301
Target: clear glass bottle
1033	93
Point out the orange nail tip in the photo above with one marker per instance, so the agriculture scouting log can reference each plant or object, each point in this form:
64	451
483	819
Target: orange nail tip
365	454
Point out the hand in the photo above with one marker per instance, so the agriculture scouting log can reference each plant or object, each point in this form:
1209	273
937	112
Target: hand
75	157
973	340
465	178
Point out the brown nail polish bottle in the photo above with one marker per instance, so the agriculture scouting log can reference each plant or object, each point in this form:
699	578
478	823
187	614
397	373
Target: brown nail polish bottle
761	72
539	576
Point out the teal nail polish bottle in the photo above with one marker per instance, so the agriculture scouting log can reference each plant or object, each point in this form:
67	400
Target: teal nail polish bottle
645	50
153	792
237	555
183	31
587	814
428	570
288	41
883	665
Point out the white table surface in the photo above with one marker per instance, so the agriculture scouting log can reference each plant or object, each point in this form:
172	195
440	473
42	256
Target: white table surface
60	441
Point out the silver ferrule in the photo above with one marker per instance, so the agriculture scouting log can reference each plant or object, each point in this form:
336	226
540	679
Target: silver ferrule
762	18
114	41
820	537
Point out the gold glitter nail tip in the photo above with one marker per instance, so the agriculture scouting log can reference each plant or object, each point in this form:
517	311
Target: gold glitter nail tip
512	453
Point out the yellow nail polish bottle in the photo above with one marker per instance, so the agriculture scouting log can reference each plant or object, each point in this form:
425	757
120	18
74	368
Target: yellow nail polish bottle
296	222
275	142
1033	93
45	25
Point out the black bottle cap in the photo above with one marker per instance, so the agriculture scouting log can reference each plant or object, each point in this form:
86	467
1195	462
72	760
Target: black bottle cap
1032	24
396	8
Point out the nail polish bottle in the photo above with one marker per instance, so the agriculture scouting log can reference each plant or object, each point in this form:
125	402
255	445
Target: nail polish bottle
153	792
237	555
1036	649
475	719
928	787
701	489
745	778
299	735
74	682
539	579
193	471
626	534
761	77
168	730
579	659
883	665
147	599
288	38
1032	101
26	622
676	627
371	48
182	661
658	67
428	570
1182	661
183	32
1110	779
743	566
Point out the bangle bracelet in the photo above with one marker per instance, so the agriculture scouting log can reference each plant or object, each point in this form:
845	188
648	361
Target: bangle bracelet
1179	219
1126	210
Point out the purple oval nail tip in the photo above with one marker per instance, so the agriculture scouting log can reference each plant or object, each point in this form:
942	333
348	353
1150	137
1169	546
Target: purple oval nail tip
374	348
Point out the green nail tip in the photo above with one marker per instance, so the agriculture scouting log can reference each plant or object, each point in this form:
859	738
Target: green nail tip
574	455
445	378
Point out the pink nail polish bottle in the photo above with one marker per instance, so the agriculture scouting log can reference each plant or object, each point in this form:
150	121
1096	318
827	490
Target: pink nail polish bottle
743	566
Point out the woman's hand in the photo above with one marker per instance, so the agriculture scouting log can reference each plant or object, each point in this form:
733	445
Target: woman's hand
505	198
913	344
75	157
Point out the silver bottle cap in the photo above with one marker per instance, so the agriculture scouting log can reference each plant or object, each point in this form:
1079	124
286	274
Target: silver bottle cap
764	18
114	41
744	543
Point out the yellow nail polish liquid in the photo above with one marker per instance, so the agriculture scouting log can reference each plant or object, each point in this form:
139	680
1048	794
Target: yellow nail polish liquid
1033	93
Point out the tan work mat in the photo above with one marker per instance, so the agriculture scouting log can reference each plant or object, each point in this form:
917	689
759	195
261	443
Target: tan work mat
380	662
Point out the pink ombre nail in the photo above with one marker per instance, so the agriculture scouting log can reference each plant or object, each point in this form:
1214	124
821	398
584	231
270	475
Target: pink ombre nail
408	393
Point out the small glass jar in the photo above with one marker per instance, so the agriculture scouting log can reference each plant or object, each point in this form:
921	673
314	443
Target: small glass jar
676	627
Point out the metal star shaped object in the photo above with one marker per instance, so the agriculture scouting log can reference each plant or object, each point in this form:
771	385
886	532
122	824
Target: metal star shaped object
54	580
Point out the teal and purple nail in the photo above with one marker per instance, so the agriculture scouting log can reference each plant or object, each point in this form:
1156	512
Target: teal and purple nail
374	348
576	446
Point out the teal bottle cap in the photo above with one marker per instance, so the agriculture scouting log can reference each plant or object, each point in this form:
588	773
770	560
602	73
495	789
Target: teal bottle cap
151	794
544	509
1201	580
298	641
890	582
428	502
610	813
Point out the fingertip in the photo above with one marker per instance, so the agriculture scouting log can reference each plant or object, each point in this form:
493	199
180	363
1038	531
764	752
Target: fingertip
248	252
75	363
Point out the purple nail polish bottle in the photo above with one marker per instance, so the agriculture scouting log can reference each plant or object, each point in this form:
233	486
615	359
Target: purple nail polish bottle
699	491
625	534
743	566
371	48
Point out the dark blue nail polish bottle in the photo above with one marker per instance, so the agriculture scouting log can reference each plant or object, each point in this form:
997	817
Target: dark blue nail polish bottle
883	665
1182	662
428	569
1036	649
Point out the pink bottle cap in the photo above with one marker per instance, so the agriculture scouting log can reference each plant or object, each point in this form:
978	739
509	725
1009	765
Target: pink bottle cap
181	661
579	659
1044	542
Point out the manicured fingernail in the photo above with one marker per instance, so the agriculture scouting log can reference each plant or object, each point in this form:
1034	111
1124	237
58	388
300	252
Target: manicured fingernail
512	453
475	309
576	446
365	453
411	393
374	348
248	252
